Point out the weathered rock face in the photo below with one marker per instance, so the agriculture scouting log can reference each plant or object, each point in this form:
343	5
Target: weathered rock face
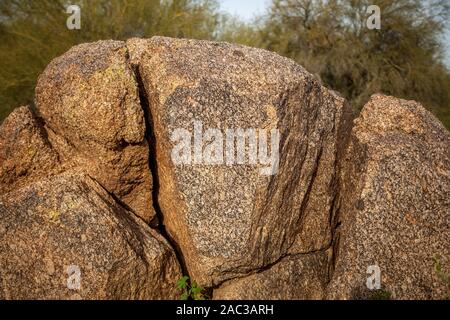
233	215
394	203
70	221
25	152
297	277
89	101
262	184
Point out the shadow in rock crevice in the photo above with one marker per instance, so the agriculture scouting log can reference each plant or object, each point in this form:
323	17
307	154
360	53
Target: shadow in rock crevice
158	222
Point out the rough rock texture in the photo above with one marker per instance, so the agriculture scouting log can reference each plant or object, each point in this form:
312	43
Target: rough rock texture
300	277
71	220
89	101
123	135
394	203
232	220
25	152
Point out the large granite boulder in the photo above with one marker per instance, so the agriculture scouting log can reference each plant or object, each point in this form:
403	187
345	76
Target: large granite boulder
394	205
247	144
66	238
88	100
248	170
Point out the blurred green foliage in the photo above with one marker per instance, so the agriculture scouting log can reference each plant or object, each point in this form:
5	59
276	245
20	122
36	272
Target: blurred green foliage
331	40
32	33
328	37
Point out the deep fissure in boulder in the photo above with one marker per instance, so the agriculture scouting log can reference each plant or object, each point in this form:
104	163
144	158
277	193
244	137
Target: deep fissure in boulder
158	221
309	107
346	196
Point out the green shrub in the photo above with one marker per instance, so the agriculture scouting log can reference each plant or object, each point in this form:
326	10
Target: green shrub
191	290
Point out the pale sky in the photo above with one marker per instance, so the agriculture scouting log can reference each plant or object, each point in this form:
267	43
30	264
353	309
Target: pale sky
247	9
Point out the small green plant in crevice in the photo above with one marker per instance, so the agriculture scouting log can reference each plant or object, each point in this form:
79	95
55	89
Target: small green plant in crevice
191	290
444	277
380	295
